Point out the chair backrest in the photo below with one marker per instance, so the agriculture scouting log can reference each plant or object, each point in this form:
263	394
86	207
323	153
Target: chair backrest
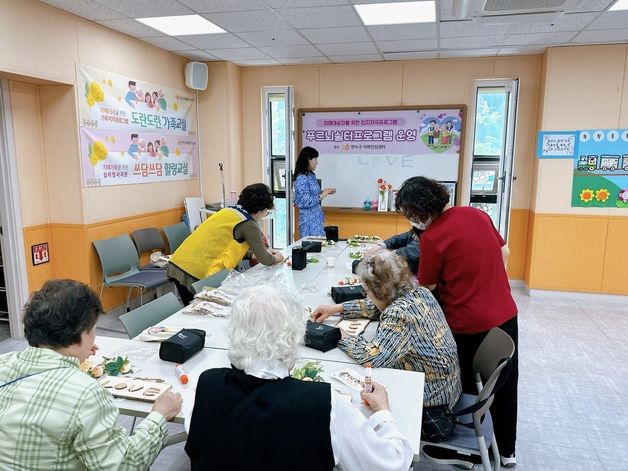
118	257
148	240
212	281
149	314
496	346
489	365
176	234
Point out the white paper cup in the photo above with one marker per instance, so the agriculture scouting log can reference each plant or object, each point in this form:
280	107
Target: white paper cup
330	262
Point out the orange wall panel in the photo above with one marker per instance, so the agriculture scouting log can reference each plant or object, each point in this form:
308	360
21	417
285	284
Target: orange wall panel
68	243
351	223
517	236
38	275
616	257
569	253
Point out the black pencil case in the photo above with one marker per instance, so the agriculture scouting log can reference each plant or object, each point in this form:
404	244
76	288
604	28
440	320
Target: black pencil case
182	346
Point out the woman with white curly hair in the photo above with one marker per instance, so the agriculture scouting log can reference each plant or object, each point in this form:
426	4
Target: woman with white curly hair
254	415
412	333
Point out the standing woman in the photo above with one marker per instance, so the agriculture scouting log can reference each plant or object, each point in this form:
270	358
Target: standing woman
464	258
308	195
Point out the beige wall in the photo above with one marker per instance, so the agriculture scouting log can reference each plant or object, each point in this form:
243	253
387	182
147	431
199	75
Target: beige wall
426	82
578	249
48	44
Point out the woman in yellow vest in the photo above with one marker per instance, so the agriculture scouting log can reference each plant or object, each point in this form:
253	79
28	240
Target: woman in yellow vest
223	240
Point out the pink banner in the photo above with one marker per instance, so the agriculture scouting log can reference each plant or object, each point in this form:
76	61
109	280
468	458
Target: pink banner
414	132
113	157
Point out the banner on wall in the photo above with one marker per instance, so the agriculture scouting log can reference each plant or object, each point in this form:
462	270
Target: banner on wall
600	169
411	132
133	131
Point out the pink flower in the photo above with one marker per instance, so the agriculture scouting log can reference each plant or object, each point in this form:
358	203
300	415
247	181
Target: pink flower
623	195
380	181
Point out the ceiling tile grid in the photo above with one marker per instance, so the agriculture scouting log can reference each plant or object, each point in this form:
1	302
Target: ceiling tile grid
271	32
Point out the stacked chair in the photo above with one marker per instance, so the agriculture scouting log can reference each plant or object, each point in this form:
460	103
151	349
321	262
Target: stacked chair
121	267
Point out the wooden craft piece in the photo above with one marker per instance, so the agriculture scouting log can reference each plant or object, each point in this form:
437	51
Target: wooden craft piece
133	388
353	326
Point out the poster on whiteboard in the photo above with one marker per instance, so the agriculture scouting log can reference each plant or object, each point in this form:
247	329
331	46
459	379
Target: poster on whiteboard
358	149
132	131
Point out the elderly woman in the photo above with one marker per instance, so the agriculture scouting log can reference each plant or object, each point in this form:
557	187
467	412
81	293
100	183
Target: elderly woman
222	241
464	257
253	415
54	416
412	332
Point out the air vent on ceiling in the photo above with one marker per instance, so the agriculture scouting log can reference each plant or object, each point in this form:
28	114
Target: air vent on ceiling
512	11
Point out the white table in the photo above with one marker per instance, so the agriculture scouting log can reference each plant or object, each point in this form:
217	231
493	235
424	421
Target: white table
405	388
311	286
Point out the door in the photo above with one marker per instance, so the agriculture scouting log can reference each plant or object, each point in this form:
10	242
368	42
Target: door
277	129
493	149
14	287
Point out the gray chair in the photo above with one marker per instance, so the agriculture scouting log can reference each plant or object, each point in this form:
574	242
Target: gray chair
473	433
149	314
148	240
212	281
120	267
176	234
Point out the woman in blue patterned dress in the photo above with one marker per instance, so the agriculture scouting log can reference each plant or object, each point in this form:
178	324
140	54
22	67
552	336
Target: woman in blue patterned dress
308	195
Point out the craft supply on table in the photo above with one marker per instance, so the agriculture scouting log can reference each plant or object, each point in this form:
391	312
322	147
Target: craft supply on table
349	377
183	378
207	308
368	379
132	388
353	327
157	333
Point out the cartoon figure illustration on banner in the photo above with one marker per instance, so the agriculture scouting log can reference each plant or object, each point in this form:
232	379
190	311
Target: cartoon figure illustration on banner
134	148
131	95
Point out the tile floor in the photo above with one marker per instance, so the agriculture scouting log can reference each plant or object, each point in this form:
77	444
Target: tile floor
573	386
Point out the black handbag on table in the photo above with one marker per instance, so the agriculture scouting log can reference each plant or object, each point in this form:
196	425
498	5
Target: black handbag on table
340	294
182	346
321	337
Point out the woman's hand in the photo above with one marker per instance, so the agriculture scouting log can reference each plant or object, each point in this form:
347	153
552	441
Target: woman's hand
376	400
327	192
323	312
278	256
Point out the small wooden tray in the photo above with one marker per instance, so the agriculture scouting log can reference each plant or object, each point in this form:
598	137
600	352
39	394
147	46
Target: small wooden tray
353	326
136	389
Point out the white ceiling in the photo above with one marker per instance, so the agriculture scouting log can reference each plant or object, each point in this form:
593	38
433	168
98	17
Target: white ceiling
272	32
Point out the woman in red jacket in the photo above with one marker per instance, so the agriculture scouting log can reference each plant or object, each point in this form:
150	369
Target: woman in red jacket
463	260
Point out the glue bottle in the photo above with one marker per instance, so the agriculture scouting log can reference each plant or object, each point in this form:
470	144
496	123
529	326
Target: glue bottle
183	378
368	379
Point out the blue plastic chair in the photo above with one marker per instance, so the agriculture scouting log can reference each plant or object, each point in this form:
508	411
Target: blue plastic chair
176	234
150	314
120	267
148	240
212	281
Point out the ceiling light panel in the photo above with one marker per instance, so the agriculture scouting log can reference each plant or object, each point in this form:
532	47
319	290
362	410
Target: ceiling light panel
182	25
397	13
619	5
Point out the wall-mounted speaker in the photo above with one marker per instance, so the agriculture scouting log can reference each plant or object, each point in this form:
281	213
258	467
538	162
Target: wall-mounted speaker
196	75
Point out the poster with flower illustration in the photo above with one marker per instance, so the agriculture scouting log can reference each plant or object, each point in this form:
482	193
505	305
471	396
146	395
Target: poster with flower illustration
600	169
133	131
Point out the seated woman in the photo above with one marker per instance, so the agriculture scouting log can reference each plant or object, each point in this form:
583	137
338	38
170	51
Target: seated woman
54	416
254	416
223	240
412	333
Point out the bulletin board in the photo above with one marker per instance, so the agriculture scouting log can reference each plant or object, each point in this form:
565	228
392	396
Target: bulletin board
360	146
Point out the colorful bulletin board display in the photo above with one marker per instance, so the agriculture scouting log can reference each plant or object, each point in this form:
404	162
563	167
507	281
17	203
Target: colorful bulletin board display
600	170
556	144
359	147
133	131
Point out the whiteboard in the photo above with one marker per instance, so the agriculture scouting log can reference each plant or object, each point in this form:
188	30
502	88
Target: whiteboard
355	176
358	147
